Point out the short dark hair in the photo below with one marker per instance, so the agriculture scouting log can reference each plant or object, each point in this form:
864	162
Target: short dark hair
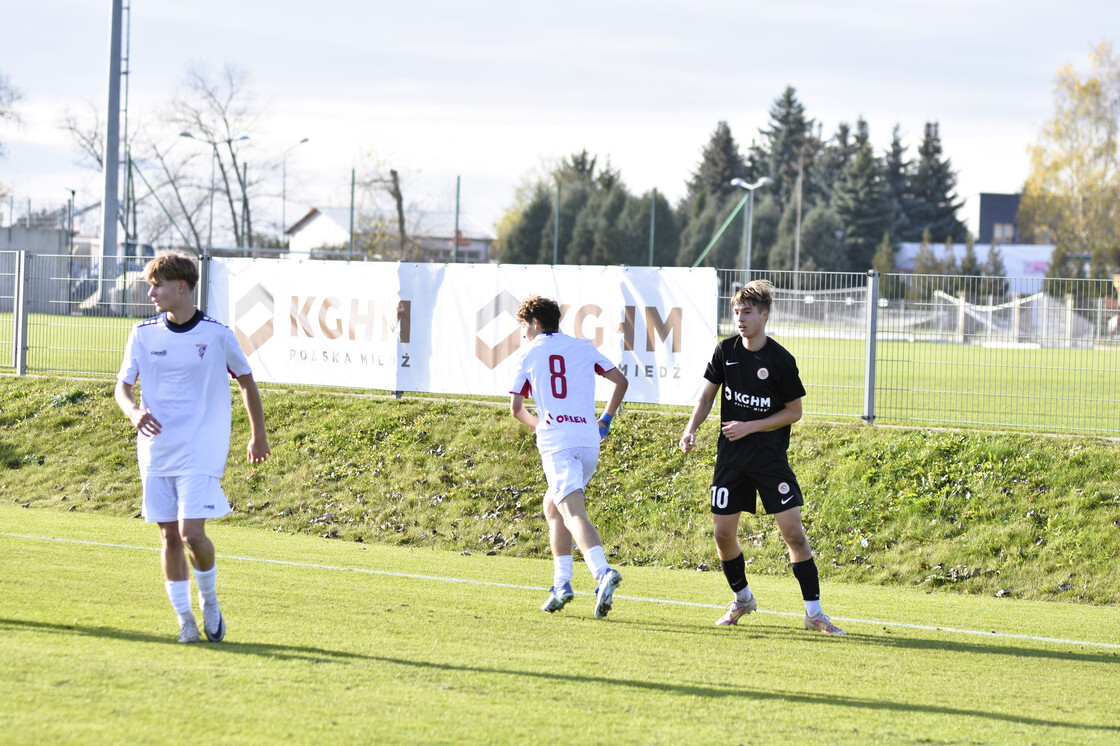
757	293
544	310
170	268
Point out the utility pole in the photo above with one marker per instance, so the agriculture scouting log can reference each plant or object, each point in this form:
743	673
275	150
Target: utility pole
109	199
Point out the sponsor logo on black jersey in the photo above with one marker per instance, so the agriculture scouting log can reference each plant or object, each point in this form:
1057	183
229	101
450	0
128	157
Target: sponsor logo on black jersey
757	403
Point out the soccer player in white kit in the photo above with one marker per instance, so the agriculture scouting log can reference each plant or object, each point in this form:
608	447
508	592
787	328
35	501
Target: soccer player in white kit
558	372
183	361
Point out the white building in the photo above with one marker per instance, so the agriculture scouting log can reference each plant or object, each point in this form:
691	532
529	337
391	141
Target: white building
329	227
1025	265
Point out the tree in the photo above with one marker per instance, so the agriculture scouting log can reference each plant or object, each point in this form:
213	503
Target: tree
970	265
9	95
897	172
220	110
994	284
862	203
786	138
521	242
8	98
932	186
890	284
720	162
1072	193
822	246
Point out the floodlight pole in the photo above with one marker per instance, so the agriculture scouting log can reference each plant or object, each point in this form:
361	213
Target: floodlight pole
745	258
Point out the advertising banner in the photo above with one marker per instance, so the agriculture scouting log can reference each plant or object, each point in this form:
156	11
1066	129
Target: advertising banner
452	328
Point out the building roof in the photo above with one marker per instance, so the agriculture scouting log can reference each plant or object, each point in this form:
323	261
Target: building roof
434	224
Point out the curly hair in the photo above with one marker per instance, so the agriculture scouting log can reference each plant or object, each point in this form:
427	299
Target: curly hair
544	310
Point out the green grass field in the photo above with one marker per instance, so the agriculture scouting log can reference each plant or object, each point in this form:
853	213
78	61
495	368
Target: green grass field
339	642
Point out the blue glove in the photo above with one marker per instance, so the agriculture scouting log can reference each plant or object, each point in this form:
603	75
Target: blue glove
605	424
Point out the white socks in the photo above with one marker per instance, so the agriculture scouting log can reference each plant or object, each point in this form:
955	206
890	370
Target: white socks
812	608
179	593
561	570
206	584
596	561
744	595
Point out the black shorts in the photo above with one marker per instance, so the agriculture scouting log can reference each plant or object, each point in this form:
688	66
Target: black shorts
735	491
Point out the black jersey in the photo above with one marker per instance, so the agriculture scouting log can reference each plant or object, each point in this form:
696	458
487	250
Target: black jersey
755	385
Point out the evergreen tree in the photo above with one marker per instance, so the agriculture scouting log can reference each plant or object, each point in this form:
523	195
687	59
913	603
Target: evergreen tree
698	233
822	247
897	172
634	223
970	264
995	282
786	138
862	203
890	284
720	162
522	243
926	262
933	185
765	218
828	166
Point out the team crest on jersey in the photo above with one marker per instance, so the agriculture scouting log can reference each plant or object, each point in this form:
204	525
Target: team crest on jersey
784	488
201	350
763	374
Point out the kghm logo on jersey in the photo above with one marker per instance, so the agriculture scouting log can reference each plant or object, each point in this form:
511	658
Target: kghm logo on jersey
763	374
757	403
201	350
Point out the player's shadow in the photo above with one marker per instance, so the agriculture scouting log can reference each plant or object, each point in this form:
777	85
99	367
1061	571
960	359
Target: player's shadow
292	652
749	629
732	692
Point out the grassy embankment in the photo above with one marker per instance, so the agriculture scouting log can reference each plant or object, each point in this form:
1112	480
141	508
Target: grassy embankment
1034	516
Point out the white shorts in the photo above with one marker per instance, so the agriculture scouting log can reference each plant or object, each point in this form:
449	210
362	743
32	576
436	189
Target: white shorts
168	499
568	470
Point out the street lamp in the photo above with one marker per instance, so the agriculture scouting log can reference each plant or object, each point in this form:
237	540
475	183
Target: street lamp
745	258
284	191
797	234
213	159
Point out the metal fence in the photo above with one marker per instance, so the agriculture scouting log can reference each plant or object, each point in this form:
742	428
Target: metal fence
950	351
907	349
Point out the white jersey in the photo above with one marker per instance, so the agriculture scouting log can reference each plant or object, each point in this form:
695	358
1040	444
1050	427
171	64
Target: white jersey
558	372
184	373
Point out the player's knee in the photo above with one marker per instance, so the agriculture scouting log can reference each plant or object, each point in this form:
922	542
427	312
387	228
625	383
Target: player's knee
725	535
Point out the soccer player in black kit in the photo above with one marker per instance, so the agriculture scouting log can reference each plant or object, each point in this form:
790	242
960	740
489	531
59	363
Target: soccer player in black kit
761	399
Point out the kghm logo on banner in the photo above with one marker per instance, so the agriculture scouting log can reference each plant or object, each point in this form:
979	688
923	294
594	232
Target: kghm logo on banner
258	296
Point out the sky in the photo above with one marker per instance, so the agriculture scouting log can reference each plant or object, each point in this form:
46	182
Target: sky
493	92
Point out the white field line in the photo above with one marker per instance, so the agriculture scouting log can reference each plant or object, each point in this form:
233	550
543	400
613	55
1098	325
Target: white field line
664	601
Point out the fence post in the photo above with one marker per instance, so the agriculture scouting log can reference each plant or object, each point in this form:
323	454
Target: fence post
204	282
869	359
1069	319
19	307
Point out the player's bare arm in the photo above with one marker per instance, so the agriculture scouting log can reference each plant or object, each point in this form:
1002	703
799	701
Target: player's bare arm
735	430
141	419
257	449
521	413
699	414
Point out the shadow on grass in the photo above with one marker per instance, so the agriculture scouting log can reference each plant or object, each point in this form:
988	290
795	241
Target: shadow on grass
755	629
321	655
